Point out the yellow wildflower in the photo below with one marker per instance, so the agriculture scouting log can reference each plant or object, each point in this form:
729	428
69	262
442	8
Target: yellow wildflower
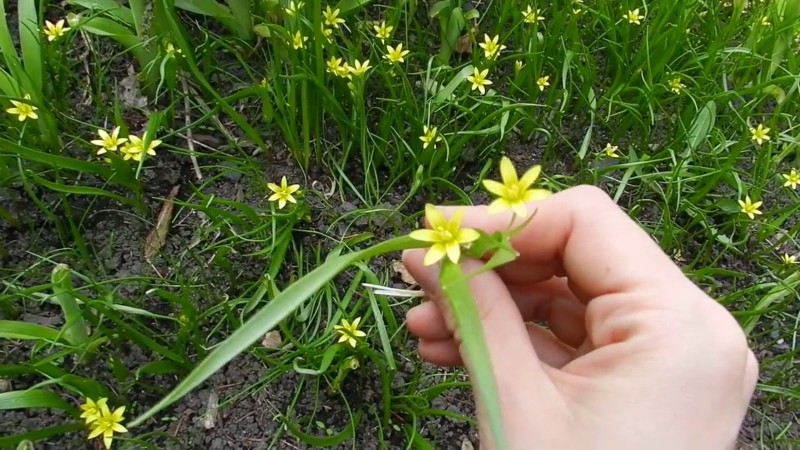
54	31
760	134
108	142
134	149
792	179
91	409
479	80
514	192
358	68
349	331
676	86
749	207
788	259
383	31
491	46
395	54
543	82
327	33
336	67
298	41
172	50
611	151
633	16
446	236
332	17
531	15
518	65
108	423
23	110
293	8
430	136
283	193
765	21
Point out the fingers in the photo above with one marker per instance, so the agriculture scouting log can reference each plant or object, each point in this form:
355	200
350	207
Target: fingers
550	350
550	302
582	234
510	351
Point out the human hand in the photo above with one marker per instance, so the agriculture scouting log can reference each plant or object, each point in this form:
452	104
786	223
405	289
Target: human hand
634	354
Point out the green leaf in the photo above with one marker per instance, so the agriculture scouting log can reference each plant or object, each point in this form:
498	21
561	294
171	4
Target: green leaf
29	39
110	7
324	441
269	316
702	125
42	433
445	93
74	325
12	329
346	7
473	346
327	359
33	398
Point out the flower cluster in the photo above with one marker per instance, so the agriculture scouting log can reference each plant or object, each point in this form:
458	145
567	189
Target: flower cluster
130	148
102	421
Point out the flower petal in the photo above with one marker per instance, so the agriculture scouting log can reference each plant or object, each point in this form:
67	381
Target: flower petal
273	187
499	205
455	220
532	195
519	209
424	235
435	218
453	252
495	187
530	177
507	171
466	235
435	253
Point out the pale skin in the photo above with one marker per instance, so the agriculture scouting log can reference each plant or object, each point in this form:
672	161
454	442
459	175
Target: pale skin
633	355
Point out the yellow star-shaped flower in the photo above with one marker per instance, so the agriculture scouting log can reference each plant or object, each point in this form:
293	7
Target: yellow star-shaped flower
750	208
792	179
760	134
491	47
543	82
430	136
91	409
134	149
479	80
531	15
358	68
446	236
283	193
54	31
23	110
611	151
107	424
108	142
513	193
293	8
633	16
349	331
383	31
336	67
395	54
676	86
788	259
299	41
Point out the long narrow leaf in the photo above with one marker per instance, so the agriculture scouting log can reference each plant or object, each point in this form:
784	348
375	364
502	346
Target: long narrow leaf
12	329
33	398
110	7
30	43
268	317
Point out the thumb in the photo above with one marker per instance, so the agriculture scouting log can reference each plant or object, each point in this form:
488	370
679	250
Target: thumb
511	354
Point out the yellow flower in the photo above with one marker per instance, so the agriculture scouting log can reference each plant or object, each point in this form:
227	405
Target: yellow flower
107	424
531	15
792	179
349	331
172	50
478	79
446	237
108	142
283	193
749	208
788	259
54	31
514	192
293	8
298	41
383	31
395	54
490	46
358	68
765	21
676	86
611	151
577	7
760	134
543	82
518	65
327	33
23	110
633	16
336	67
430	136
332	17
91	409
134	149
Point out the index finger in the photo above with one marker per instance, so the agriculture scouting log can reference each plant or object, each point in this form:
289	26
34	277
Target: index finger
582	234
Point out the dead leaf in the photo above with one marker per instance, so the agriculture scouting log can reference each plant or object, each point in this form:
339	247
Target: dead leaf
212	410
466	444
401	270
272	339
464	45
157	237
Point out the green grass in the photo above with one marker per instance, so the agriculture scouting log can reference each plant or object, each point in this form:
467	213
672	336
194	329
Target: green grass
239	107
